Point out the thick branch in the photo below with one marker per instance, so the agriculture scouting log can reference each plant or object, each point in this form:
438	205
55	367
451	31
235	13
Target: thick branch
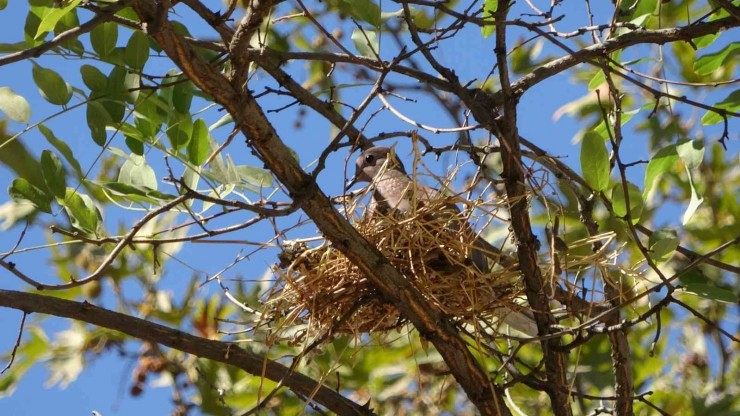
214	350
515	178
261	136
659	36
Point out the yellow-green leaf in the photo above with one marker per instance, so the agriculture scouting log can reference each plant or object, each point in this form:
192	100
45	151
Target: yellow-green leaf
595	161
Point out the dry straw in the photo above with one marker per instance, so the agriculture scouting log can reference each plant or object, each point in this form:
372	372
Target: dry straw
319	288
319	292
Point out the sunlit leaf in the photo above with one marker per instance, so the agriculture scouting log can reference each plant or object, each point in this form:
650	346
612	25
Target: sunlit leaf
625	118
695	202
366	42
136	172
199	145
730	103
709	63
224	120
598	79
50	20
691	152
14	106
662	244
663	161
489	8
595	161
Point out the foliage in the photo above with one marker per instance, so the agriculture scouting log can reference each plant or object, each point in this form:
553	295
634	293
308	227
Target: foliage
130	163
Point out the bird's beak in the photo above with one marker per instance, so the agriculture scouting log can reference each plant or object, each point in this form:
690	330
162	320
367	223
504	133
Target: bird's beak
350	183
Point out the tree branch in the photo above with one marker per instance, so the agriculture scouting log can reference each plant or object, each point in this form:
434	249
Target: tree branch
515	177
222	352
261	137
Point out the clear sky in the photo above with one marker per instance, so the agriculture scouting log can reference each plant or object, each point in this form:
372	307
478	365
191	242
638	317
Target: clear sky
104	384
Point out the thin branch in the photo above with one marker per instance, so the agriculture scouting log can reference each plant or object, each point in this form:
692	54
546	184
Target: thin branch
104	16
17	343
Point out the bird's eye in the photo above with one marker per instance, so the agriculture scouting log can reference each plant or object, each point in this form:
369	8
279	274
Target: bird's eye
369	159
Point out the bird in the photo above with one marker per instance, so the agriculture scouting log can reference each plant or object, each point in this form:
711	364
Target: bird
395	193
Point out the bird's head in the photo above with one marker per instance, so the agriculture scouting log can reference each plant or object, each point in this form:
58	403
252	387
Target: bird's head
370	163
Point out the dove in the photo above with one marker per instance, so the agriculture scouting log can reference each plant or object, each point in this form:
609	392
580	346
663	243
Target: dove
395	192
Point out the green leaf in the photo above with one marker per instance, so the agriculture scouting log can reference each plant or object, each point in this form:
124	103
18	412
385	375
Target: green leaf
662	244
198	147
136	146
709	291
489	8
146	114
180	131
619	201
663	161
21	189
224	120
62	147
363	10
730	103
137	50
51	85
133	193
595	161
12	47
3	4
115	93
50	20
104	37
132	86
93	78
695	202
182	96
54	175
97	119
626	117
709	63
83	214
366	42
33	19
255	176
135	171
14	106
598	79
691	152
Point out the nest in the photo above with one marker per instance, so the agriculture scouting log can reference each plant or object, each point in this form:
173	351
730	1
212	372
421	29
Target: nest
432	247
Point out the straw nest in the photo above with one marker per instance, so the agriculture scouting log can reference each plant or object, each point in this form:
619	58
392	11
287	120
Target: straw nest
321	290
